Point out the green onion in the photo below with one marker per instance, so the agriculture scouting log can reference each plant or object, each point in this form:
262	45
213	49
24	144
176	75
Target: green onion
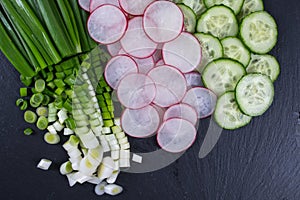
28	131
39	85
42	123
50	76
51	85
22	104
30	117
23	92
66	168
42	111
51	138
70	123
46	100
36	100
59	91
58	102
59	83
26	80
60	75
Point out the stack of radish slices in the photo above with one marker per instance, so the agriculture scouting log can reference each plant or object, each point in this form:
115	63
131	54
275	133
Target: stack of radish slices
152	69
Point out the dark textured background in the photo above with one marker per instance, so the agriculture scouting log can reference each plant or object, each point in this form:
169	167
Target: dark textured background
258	162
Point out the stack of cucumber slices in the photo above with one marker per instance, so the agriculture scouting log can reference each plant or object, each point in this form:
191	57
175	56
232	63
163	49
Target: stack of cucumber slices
236	37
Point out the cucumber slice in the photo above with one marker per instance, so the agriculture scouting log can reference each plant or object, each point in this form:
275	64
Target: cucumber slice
222	75
211	49
254	94
236	50
189	18
250	6
259	32
235	5
227	113
264	64
196	5
218	21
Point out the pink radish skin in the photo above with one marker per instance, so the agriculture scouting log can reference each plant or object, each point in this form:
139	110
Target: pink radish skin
96	3
140	123
135	42
184	52
176	135
134	7
193	79
157	54
114	49
117	68
163	21
136	91
159	63
84	4
202	99
104	28
182	111
170	85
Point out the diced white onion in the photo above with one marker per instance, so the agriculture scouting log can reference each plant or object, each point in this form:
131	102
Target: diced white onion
99	188
137	158
124	154
115	155
113	177
113	189
44	164
125	146
58	126
62	116
68	131
124	162
51	129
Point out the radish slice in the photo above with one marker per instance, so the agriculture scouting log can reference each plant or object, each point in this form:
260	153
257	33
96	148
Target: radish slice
176	135
135	42
161	111
193	79
96	3
117	68
144	65
184	52
107	24
163	21
202	99
136	91
84	4
135	7
140	123
170	85
114	49
182	111
160	62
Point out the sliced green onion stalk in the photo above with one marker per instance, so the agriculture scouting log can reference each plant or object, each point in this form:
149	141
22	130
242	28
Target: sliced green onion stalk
66	168
36	100
30	117
23	92
22	104
99	188
39	85
28	131
42	111
42	123
113	189
51	138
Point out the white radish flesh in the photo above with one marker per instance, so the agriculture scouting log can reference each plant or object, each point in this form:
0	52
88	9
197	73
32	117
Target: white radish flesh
135	7
135	42
145	64
193	79
202	99
163	21
107	24
114	48
140	123
184	52
182	111
96	3
117	68
176	135
136	91
84	4
170	85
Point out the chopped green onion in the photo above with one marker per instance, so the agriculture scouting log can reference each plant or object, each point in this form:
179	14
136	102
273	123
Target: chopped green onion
51	138
66	168
42	123
58	102
36	100
46	100
28	131
51	85
68	105
59	91
30	117
50	76
42	111
70	123
39	85
22	104
59	83
108	123
60	75
23	92
26	80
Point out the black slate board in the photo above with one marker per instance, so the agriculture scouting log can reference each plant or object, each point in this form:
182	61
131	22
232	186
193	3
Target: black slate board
260	161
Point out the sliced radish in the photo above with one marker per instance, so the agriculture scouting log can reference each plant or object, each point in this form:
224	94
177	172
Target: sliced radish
184	52
160	62
107	24
202	99
163	21
96	3
140	123
136	91
176	135
144	65
161	111
170	85
114	48
158	53
84	4
182	111
117	68
193	79
135	7
135	42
